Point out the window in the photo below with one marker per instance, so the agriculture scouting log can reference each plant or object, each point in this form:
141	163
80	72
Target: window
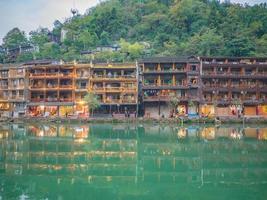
194	68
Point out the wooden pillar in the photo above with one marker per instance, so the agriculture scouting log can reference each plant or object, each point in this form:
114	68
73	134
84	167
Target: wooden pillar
159	81
44	87
104	73
73	83
158	67
243	71
104	92
159	108
58	111
58	85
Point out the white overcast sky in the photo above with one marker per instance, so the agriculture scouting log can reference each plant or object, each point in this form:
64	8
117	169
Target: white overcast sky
30	14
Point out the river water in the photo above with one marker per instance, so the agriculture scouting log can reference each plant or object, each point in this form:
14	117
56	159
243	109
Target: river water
132	161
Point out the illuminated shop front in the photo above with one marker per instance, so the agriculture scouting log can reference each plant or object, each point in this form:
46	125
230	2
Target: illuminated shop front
81	110
51	111
42	111
207	110
262	135
65	111
228	111
4	109
250	110
182	110
262	110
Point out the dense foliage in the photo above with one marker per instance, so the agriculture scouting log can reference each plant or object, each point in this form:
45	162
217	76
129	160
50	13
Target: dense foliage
156	27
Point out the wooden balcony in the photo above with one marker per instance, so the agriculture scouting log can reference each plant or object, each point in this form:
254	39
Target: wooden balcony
82	77
17	87
81	88
232	87
4	87
4	98
166	86
228	100
16	75
114	90
172	71
51	76
16	98
234	64
66	87
162	98
112	78
119	101
51	88
52	99
112	101
235	75
3	76
124	101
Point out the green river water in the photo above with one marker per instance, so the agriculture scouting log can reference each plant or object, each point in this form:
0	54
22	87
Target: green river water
132	161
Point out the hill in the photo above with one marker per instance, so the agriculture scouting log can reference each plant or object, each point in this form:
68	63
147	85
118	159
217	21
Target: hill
153	27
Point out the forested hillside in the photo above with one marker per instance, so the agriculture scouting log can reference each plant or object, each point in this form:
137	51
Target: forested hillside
154	27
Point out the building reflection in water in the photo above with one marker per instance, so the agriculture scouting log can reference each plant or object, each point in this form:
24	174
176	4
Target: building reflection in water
143	158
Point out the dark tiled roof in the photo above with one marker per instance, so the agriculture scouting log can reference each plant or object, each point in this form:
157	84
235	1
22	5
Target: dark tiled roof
233	58
39	62
184	59
10	65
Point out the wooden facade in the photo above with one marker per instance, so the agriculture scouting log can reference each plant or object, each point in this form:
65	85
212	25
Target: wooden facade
116	86
166	78
13	90
235	86
166	87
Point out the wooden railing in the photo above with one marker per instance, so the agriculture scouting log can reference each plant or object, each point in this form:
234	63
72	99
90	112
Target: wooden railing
114	77
119	101
164	97
3	87
164	70
51	100
49	75
114	89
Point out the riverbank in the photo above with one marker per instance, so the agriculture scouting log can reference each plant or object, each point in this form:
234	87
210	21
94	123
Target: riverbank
136	120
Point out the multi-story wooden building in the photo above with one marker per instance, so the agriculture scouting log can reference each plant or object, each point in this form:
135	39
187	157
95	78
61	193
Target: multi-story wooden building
170	87
234	86
13	90
174	80
81	88
18	90
116	86
4	103
53	88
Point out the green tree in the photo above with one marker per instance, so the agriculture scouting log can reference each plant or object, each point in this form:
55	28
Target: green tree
170	27
14	38
86	40
204	43
49	50
189	15
240	46
28	56
261	46
104	38
174	102
39	37
131	51
91	100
